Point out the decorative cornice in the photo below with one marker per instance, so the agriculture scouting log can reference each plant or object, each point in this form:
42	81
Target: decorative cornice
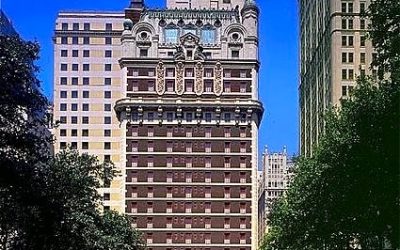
192	14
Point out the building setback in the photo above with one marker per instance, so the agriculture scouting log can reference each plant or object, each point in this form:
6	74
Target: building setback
334	51
277	172
182	83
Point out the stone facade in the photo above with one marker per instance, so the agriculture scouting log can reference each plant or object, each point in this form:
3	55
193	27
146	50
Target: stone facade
334	51
190	117
277	172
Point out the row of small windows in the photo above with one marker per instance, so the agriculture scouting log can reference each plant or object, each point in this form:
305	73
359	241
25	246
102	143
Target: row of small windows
348	41
85	81
85	40
84	145
348	57
189	87
84	119
84	133
207	35
85	106
86	26
85	67
85	94
85	53
349	24
189	116
348	7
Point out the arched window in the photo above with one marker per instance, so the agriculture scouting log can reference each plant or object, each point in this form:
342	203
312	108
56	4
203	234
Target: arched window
208	35
171	33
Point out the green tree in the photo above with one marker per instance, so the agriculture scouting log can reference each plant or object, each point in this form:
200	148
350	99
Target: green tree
47	202
347	195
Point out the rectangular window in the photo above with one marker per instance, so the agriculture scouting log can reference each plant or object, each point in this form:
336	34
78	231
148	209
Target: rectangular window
75	67
64	67
362	41
107	145
85	145
108	40
107	94
107	67
63	107
64	40
74	107
86	53
74	80
108	53
107	120
75	53
63	94
75	40
63	132
85	107
235	53
86	40
64	26
107	132
85	80
108	26
63	81
85	132
74	94
64	53
362	58
85	120
86	67
143	52
107	81
107	107
75	26
74	120
86	26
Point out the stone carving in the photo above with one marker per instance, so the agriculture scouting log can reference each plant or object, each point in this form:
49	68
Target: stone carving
218	81
198	54
179	73
160	71
179	54
199	84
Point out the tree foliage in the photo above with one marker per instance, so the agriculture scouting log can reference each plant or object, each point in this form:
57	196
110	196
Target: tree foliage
385	30
347	194
47	202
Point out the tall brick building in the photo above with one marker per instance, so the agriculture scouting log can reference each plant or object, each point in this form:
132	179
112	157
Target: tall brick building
185	117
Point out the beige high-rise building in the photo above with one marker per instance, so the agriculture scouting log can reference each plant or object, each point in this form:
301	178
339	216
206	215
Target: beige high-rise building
274	181
334	51
87	82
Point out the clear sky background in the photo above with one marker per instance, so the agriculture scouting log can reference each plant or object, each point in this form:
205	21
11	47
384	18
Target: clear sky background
35	20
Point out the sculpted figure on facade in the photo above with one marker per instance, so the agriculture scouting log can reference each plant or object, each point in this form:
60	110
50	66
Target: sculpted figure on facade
179	84
160	78
198	54
218	79
179	54
199	71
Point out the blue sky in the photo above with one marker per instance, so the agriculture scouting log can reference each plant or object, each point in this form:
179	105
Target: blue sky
278	85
